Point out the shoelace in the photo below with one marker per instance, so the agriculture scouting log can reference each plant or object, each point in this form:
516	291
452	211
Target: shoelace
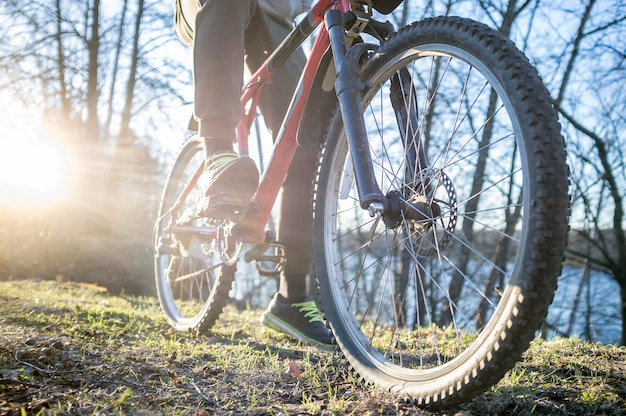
310	311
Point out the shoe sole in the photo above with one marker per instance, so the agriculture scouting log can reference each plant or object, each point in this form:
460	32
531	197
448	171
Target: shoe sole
226	205
279	325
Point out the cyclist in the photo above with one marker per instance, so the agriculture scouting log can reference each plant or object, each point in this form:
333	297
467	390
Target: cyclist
225	34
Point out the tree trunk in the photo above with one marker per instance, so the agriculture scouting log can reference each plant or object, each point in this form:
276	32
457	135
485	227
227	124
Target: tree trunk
132	77
118	51
471	208
455	287
584	278
622	295
500	261
93	47
63	98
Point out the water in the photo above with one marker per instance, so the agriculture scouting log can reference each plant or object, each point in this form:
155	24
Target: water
598	314
597	317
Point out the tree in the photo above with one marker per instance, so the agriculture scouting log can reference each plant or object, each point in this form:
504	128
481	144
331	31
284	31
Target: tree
578	49
56	60
598	149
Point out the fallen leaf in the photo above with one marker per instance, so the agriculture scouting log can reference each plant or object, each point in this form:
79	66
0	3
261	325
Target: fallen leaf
293	370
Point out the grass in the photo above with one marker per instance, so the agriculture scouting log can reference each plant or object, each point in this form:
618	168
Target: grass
68	348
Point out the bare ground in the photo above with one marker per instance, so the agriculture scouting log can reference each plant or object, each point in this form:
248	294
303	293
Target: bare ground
69	348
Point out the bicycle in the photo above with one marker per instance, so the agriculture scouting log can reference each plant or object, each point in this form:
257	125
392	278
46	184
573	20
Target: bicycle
440	202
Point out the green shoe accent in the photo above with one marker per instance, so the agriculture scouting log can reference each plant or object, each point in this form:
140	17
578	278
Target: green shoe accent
217	160
302	321
309	310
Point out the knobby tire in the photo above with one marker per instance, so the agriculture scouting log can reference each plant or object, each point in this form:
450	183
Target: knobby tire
439	309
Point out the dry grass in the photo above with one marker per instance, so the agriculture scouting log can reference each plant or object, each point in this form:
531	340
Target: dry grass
68	348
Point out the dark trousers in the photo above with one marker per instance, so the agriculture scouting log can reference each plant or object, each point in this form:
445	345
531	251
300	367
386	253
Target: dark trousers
229	33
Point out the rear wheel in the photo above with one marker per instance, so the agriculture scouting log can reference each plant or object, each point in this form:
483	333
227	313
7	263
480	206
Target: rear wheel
437	299
194	264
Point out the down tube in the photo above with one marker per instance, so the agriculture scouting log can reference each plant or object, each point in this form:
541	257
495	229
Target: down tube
285	146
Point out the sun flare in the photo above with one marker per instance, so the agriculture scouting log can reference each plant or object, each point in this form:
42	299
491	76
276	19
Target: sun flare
33	171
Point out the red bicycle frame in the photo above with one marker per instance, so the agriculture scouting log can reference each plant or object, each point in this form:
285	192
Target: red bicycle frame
285	145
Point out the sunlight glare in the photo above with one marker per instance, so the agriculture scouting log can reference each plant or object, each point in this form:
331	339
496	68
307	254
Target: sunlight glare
33	171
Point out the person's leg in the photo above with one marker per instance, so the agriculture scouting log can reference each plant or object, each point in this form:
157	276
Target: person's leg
218	52
218	63
295	222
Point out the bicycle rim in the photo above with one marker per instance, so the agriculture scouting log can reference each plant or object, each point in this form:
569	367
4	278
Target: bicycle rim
439	307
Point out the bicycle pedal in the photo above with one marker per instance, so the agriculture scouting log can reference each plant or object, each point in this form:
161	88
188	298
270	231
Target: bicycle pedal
225	205
269	262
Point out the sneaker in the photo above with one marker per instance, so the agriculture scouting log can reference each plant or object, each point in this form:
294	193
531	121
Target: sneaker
228	172
301	320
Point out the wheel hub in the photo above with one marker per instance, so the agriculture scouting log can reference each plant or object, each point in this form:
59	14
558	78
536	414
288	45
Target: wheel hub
416	210
423	213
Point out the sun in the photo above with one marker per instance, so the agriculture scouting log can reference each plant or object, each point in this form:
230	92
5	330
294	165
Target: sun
33	171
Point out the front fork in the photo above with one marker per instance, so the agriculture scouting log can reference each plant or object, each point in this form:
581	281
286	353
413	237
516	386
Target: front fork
396	205
349	89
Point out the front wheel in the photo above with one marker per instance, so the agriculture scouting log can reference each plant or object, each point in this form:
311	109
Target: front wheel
437	299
